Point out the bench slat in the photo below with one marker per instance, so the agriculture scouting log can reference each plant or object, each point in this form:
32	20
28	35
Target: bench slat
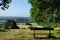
42	28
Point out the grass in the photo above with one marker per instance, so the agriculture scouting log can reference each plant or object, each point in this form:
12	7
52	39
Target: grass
17	34
3	33
56	33
21	34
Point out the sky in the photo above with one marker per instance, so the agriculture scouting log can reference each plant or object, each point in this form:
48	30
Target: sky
18	8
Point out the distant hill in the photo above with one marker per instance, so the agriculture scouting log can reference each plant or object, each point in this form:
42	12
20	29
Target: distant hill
17	19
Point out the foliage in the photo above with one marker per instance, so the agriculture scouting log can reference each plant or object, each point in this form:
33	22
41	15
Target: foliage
2	30
4	4
11	24
7	24
45	12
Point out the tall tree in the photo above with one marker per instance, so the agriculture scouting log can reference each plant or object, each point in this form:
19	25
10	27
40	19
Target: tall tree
4	4
45	12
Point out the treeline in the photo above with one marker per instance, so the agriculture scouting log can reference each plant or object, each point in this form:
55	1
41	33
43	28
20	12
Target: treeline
9	24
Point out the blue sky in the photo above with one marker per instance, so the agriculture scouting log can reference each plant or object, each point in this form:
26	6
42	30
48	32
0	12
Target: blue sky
19	8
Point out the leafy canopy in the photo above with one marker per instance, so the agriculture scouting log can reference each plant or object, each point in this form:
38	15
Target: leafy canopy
45	12
10	24
4	4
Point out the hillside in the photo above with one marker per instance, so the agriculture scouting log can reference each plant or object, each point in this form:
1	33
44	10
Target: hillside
17	19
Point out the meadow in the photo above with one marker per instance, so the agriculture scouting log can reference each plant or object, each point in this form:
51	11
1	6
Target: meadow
16	34
22	34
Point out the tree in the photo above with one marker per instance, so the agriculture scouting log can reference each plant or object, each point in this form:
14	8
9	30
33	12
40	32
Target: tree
7	24
11	24
4	4
45	12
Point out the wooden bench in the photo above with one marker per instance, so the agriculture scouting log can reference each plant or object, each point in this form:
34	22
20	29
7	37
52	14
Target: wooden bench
41	37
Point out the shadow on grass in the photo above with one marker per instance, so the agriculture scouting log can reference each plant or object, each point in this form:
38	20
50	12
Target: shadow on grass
2	30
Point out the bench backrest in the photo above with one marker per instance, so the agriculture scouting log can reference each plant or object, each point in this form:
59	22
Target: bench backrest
42	28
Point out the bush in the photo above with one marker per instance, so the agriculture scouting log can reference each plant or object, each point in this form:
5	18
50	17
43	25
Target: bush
2	30
11	24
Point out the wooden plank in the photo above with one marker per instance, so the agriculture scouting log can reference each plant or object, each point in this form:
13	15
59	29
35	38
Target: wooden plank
41	37
42	28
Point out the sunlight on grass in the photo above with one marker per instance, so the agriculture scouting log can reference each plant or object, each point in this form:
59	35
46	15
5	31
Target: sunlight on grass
3	33
57	33
23	34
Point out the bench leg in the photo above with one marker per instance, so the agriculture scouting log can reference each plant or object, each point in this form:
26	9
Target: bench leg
34	34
